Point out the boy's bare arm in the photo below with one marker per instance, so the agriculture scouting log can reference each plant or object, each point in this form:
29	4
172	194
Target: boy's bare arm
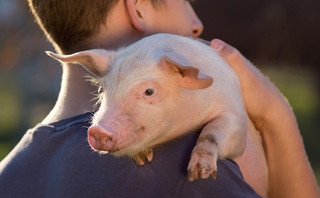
290	173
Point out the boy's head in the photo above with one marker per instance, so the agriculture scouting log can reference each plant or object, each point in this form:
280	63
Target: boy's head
70	24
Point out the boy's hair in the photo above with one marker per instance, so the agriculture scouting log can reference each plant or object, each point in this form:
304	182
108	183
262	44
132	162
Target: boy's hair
68	23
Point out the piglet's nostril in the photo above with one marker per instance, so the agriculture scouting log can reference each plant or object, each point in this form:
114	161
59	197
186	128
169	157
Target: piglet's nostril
100	139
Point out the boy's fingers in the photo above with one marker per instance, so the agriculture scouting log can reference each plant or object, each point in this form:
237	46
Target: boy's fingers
248	74
230	54
217	44
255	87
244	69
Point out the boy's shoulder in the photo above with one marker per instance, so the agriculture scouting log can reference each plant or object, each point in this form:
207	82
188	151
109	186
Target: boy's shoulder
57	160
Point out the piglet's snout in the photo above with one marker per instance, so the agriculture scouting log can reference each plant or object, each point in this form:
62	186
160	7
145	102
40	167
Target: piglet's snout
101	139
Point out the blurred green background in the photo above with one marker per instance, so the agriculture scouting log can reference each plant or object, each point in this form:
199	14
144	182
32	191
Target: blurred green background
282	38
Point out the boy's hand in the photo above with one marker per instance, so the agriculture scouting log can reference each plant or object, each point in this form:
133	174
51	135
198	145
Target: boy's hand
261	97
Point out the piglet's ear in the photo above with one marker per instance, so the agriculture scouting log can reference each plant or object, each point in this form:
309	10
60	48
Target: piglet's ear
188	76
96	61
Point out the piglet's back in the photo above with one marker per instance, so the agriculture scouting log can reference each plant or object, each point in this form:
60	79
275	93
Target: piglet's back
226	87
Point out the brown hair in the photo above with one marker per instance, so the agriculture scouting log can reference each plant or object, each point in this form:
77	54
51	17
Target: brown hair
68	23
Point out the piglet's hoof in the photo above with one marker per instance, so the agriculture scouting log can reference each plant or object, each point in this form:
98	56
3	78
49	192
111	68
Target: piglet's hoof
214	175
141	157
203	161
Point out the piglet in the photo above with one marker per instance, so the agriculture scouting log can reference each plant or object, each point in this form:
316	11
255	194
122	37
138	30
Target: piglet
160	88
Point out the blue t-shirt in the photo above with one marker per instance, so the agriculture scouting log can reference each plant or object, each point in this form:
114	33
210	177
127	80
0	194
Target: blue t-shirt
56	161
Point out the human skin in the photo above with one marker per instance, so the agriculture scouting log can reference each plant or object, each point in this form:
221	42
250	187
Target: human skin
290	173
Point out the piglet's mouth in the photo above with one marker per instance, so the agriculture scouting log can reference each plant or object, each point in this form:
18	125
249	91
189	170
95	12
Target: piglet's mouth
114	150
104	142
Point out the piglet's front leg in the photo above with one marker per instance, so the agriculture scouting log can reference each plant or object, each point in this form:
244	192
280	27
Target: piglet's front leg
223	137
203	161
142	157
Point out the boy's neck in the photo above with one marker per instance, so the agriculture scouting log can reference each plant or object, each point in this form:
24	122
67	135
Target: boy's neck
76	96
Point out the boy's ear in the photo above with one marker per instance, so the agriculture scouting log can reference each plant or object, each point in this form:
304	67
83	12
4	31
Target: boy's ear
135	9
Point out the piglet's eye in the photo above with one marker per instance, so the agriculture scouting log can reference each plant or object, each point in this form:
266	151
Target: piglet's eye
149	92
